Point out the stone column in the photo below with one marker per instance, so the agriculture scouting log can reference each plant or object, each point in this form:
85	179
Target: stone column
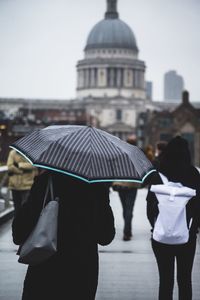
92	77
119	77
102	77
128	78
111	77
136	73
86	78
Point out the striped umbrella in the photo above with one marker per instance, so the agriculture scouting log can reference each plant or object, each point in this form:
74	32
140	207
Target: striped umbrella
85	152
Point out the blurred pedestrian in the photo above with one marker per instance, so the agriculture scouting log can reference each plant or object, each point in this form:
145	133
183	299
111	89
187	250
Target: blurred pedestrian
127	193
149	151
160	146
85	220
176	165
21	175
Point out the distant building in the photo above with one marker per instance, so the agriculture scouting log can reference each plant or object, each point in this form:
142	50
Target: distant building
111	77
111	85
149	90
111	66
173	86
112	93
163	125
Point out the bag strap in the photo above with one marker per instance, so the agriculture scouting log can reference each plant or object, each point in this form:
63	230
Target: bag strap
51	188
48	188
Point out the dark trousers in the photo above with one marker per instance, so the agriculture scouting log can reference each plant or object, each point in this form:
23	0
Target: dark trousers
166	255
127	197
19	197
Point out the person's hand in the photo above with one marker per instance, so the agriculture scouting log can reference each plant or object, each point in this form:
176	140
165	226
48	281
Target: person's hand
15	164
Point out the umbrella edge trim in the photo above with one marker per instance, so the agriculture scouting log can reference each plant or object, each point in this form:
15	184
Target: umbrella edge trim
145	176
93	180
20	152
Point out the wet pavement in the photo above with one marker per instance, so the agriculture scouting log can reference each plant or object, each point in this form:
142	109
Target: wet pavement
128	270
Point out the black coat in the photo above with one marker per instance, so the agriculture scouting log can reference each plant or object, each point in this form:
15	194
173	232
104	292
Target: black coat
85	220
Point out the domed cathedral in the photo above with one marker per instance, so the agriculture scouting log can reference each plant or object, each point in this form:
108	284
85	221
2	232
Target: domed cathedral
111	66
111	78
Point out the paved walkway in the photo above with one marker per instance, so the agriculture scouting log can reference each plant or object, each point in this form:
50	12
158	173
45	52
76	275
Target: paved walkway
127	269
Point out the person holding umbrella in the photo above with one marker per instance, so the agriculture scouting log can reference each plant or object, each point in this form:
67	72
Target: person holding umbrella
82	161
85	220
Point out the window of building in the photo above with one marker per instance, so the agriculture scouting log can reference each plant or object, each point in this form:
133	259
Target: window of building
118	115
165	122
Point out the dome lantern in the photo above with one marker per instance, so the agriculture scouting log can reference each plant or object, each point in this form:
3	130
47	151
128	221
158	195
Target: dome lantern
111	12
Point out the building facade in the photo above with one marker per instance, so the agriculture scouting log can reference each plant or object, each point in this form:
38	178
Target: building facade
163	125
112	93
111	77
173	86
111	86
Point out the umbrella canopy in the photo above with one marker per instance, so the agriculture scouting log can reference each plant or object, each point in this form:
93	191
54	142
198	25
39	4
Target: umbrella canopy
85	152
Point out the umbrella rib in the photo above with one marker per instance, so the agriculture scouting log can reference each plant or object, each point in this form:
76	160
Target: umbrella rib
106	136
104	149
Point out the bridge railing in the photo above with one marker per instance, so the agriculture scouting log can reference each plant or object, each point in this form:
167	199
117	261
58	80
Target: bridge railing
6	204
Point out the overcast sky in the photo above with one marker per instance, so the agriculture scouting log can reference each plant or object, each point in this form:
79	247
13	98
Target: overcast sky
42	40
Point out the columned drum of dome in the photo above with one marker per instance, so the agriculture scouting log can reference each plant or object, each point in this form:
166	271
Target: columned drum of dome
111	66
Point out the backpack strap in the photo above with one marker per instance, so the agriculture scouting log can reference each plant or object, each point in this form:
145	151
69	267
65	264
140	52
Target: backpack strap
164	178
